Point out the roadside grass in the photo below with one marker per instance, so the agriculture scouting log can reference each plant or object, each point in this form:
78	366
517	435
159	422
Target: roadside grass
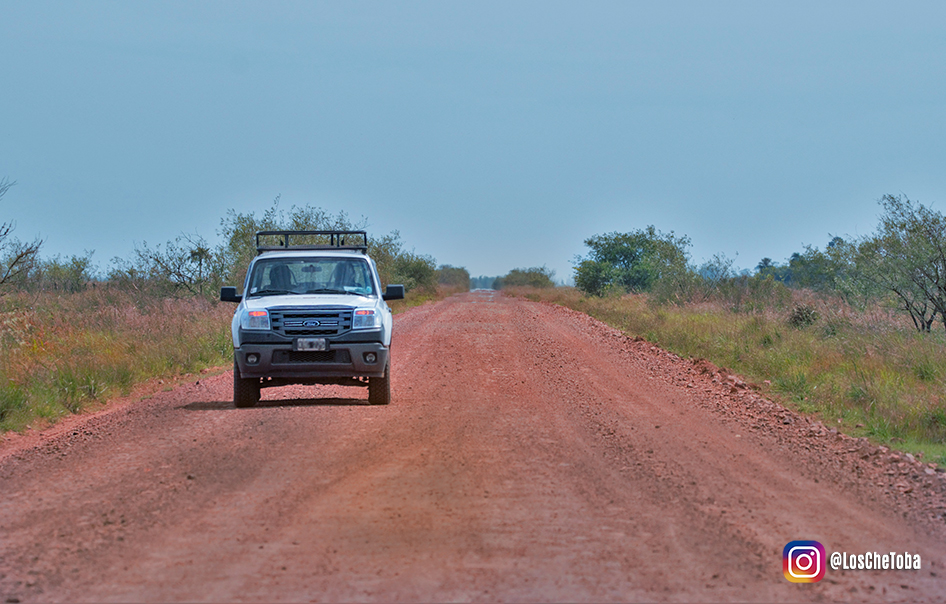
63	353
866	373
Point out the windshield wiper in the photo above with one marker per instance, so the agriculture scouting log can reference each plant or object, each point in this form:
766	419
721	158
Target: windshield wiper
273	292
327	290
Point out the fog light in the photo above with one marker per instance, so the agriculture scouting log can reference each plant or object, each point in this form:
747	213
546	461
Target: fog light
252	359
370	357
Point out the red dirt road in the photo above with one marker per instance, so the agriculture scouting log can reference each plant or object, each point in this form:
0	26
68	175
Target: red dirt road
530	454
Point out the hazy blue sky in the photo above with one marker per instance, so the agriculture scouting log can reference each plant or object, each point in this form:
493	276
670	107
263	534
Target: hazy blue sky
493	135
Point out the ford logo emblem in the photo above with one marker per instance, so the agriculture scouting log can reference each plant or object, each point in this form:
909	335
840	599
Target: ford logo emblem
310	323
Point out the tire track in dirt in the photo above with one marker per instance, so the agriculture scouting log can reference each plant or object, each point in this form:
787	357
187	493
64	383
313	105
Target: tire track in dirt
530	453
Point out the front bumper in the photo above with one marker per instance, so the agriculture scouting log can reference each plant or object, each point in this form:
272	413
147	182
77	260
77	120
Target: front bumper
341	360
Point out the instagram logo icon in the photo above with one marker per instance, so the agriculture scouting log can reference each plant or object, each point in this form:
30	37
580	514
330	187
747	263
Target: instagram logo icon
803	561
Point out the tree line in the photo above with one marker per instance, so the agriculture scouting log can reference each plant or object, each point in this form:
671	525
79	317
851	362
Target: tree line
189	265
536	276
902	264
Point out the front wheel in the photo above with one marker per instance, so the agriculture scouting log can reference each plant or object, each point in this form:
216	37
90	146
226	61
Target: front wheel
246	391
379	389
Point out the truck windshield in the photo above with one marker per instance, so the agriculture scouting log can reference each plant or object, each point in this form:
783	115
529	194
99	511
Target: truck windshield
311	276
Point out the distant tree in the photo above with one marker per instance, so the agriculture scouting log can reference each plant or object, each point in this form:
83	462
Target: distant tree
632	262
753	293
70	275
415	271
238	231
906	257
185	264
124	274
16	257
884	265
453	277
398	265
779	272
395	263
595	277
537	276
716	270
824	271
385	250
711	275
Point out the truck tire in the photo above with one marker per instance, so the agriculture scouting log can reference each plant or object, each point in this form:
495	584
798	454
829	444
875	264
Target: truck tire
245	390
379	389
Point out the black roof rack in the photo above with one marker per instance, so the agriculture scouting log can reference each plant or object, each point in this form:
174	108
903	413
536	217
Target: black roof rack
314	240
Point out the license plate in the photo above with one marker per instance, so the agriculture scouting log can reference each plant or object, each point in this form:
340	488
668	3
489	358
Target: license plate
311	344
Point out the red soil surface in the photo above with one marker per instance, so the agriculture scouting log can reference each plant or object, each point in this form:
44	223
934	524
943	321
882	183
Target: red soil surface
530	454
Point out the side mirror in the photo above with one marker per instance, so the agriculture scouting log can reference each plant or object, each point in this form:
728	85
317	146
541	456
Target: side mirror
393	292
228	294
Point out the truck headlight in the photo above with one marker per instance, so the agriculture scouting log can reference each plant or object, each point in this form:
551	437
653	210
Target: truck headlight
255	319
366	318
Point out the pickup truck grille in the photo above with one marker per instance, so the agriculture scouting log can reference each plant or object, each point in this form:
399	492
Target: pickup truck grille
284	357
310	321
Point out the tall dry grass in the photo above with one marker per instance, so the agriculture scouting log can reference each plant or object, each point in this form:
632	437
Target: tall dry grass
59	353
867	372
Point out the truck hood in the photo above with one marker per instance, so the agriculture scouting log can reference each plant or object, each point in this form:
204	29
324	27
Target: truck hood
264	302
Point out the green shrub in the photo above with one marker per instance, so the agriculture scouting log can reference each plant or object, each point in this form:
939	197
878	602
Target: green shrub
802	315
453	277
538	276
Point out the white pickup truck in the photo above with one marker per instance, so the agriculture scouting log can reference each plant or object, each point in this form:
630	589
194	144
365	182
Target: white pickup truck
311	313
